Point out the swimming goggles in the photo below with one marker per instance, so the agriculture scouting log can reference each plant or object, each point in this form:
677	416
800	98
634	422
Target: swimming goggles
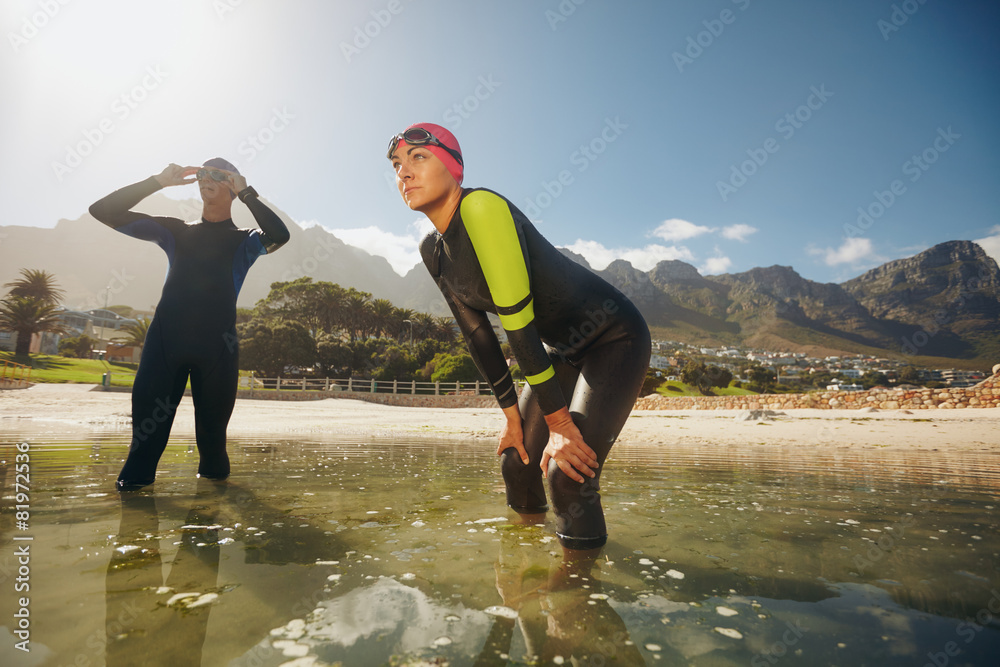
214	174
418	136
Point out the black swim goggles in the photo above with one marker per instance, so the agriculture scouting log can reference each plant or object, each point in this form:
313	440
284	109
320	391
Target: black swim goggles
213	174
418	136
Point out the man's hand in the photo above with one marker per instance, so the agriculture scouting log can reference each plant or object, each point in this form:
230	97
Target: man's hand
567	447
174	174
237	183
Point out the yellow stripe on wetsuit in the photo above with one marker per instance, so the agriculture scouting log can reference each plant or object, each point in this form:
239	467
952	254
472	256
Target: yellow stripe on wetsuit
493	234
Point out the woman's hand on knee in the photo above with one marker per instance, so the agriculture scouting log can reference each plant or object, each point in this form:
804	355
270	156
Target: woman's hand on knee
573	456
512	434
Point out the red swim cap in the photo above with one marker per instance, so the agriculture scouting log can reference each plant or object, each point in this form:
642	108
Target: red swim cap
448	139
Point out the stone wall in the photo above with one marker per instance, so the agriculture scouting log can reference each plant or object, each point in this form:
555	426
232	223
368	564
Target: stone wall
405	400
986	394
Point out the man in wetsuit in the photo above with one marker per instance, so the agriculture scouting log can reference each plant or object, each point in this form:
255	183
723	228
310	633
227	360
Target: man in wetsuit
582	345
193	332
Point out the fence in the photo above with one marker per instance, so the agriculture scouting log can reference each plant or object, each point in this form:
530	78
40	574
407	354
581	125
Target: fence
14	375
369	385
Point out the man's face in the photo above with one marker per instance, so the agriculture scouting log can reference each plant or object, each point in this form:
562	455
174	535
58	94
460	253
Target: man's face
213	184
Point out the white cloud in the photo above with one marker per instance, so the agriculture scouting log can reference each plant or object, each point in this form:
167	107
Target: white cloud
854	251
402	251
715	265
644	258
738	232
991	244
676	229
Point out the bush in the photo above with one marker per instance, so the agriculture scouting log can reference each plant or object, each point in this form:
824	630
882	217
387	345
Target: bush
653	380
77	347
454	368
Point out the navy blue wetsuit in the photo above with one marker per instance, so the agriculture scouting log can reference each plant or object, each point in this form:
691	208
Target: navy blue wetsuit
579	341
193	331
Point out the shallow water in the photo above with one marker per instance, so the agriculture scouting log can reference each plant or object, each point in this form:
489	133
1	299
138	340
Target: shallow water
375	553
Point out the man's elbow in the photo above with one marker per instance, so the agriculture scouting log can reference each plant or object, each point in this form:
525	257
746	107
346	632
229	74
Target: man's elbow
98	211
278	239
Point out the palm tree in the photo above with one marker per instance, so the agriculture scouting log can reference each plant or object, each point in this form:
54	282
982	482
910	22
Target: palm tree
424	326
135	334
444	329
357	307
402	323
27	316
382	316
36	284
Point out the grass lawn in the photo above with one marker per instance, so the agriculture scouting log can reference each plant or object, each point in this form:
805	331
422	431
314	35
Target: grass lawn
48	368
677	388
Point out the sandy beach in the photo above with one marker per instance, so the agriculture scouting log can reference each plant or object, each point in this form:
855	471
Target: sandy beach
67	409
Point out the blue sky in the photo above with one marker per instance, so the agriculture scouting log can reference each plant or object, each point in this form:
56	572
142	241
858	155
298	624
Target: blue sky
726	133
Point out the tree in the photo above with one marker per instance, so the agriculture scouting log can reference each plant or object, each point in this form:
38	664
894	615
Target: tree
268	350
874	379
334	355
653	380
761	379
133	335
454	368
357	314
909	375
36	284
382	321
704	377
78	347
397	364
27	316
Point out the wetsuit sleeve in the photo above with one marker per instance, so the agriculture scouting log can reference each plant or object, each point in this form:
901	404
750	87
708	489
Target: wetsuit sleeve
494	237
275	232
115	212
478	333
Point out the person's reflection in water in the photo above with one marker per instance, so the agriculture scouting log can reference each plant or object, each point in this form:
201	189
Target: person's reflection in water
560	607
141	630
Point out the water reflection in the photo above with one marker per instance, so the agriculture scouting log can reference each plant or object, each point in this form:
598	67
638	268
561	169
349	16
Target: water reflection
139	628
396	553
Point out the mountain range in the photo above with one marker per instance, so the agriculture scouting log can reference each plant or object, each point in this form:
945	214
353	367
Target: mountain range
941	306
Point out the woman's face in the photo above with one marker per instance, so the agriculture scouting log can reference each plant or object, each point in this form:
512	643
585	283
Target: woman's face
421	177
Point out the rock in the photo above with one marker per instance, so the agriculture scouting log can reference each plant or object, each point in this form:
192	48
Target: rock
758	415
868	409
996	369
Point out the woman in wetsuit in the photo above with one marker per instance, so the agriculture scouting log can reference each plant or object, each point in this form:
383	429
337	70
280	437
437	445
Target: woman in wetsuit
193	331
582	345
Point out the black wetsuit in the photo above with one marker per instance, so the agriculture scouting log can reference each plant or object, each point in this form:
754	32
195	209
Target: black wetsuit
194	328
579	342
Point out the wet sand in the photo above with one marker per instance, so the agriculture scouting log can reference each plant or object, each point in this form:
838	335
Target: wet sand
70	408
